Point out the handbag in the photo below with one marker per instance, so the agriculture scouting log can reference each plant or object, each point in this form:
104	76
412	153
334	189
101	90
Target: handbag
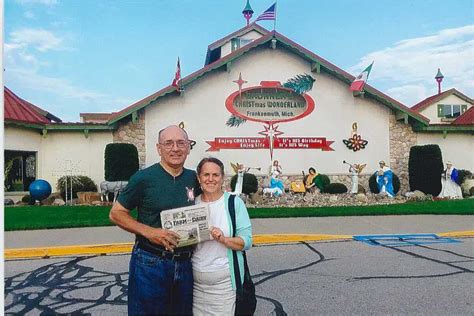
246	301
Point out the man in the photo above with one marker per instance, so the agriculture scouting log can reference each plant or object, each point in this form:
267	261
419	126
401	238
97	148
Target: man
309	182
160	277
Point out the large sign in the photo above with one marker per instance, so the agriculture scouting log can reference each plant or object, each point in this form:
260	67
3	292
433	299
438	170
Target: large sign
269	103
264	142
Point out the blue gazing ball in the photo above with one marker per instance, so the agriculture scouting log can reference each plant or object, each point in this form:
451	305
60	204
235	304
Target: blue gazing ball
39	190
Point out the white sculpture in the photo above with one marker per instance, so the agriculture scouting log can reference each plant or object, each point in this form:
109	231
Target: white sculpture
449	187
115	187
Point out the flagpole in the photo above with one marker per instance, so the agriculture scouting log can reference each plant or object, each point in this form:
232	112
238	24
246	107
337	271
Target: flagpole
275	21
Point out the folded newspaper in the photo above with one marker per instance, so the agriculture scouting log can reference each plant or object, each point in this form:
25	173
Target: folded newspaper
191	223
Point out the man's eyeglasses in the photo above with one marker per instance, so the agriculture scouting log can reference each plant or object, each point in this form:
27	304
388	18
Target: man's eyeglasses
180	144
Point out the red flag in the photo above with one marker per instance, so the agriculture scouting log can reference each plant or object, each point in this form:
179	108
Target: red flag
177	77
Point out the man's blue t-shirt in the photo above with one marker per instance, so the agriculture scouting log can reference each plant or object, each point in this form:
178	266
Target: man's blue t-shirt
153	190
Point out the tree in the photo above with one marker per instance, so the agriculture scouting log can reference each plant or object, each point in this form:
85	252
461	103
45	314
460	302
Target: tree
425	166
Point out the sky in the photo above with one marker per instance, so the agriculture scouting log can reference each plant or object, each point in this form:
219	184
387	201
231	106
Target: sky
75	56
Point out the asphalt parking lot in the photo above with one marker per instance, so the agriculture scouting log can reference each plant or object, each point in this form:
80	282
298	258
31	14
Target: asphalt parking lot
317	278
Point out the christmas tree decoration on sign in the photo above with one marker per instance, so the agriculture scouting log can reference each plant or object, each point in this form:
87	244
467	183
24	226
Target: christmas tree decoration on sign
270	103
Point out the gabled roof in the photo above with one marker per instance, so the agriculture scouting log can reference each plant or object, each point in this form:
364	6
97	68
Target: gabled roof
46	114
435	98
283	41
251	27
19	110
467	118
213	50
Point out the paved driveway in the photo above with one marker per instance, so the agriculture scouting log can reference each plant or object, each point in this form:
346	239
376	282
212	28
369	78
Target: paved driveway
324	278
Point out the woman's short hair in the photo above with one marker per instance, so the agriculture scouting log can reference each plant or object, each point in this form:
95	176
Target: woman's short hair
312	169
210	159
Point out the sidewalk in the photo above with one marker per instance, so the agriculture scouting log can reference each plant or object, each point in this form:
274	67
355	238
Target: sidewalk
104	239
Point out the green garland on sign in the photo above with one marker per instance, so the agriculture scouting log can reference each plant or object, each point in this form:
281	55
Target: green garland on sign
235	121
300	84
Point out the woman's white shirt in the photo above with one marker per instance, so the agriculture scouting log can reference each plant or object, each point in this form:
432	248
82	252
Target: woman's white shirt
211	255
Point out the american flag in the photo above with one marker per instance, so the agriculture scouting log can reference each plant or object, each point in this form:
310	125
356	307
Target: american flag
268	14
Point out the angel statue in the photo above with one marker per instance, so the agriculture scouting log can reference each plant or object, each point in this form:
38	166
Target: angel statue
355	169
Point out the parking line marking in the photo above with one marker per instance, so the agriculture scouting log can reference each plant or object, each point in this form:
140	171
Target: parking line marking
117	248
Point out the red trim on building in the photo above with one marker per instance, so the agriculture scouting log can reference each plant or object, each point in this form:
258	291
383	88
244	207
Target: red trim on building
224	60
435	98
268	86
467	118
17	109
430	100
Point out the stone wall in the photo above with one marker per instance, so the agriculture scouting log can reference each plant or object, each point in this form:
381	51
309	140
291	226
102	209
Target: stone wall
402	138
133	133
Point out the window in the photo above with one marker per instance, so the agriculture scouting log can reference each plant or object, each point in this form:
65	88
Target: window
244	42
451	110
20	170
236	43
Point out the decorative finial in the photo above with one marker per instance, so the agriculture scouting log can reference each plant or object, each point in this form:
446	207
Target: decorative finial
439	77
247	12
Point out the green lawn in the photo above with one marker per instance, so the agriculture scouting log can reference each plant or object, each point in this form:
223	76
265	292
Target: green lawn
444	207
45	217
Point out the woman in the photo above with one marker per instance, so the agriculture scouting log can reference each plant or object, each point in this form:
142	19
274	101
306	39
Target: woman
384	179
276	187
214	280
449	186
276	170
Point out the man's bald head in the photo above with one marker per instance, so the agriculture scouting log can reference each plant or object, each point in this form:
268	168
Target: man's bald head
172	128
173	147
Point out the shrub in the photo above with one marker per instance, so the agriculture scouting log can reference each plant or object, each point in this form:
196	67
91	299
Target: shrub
375	189
250	184
26	198
462	175
79	184
335	188
425	166
322	181
121	161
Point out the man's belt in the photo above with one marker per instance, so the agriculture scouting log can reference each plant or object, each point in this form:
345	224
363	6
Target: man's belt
162	253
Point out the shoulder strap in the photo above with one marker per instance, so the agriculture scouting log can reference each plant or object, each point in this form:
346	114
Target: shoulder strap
238	282
232	213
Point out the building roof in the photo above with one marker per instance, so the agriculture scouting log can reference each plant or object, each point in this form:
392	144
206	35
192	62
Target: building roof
435	98
46	114
214	49
316	61
251	27
95	117
467	118
19	110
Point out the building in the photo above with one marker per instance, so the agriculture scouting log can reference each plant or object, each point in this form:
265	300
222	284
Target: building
38	145
259	97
